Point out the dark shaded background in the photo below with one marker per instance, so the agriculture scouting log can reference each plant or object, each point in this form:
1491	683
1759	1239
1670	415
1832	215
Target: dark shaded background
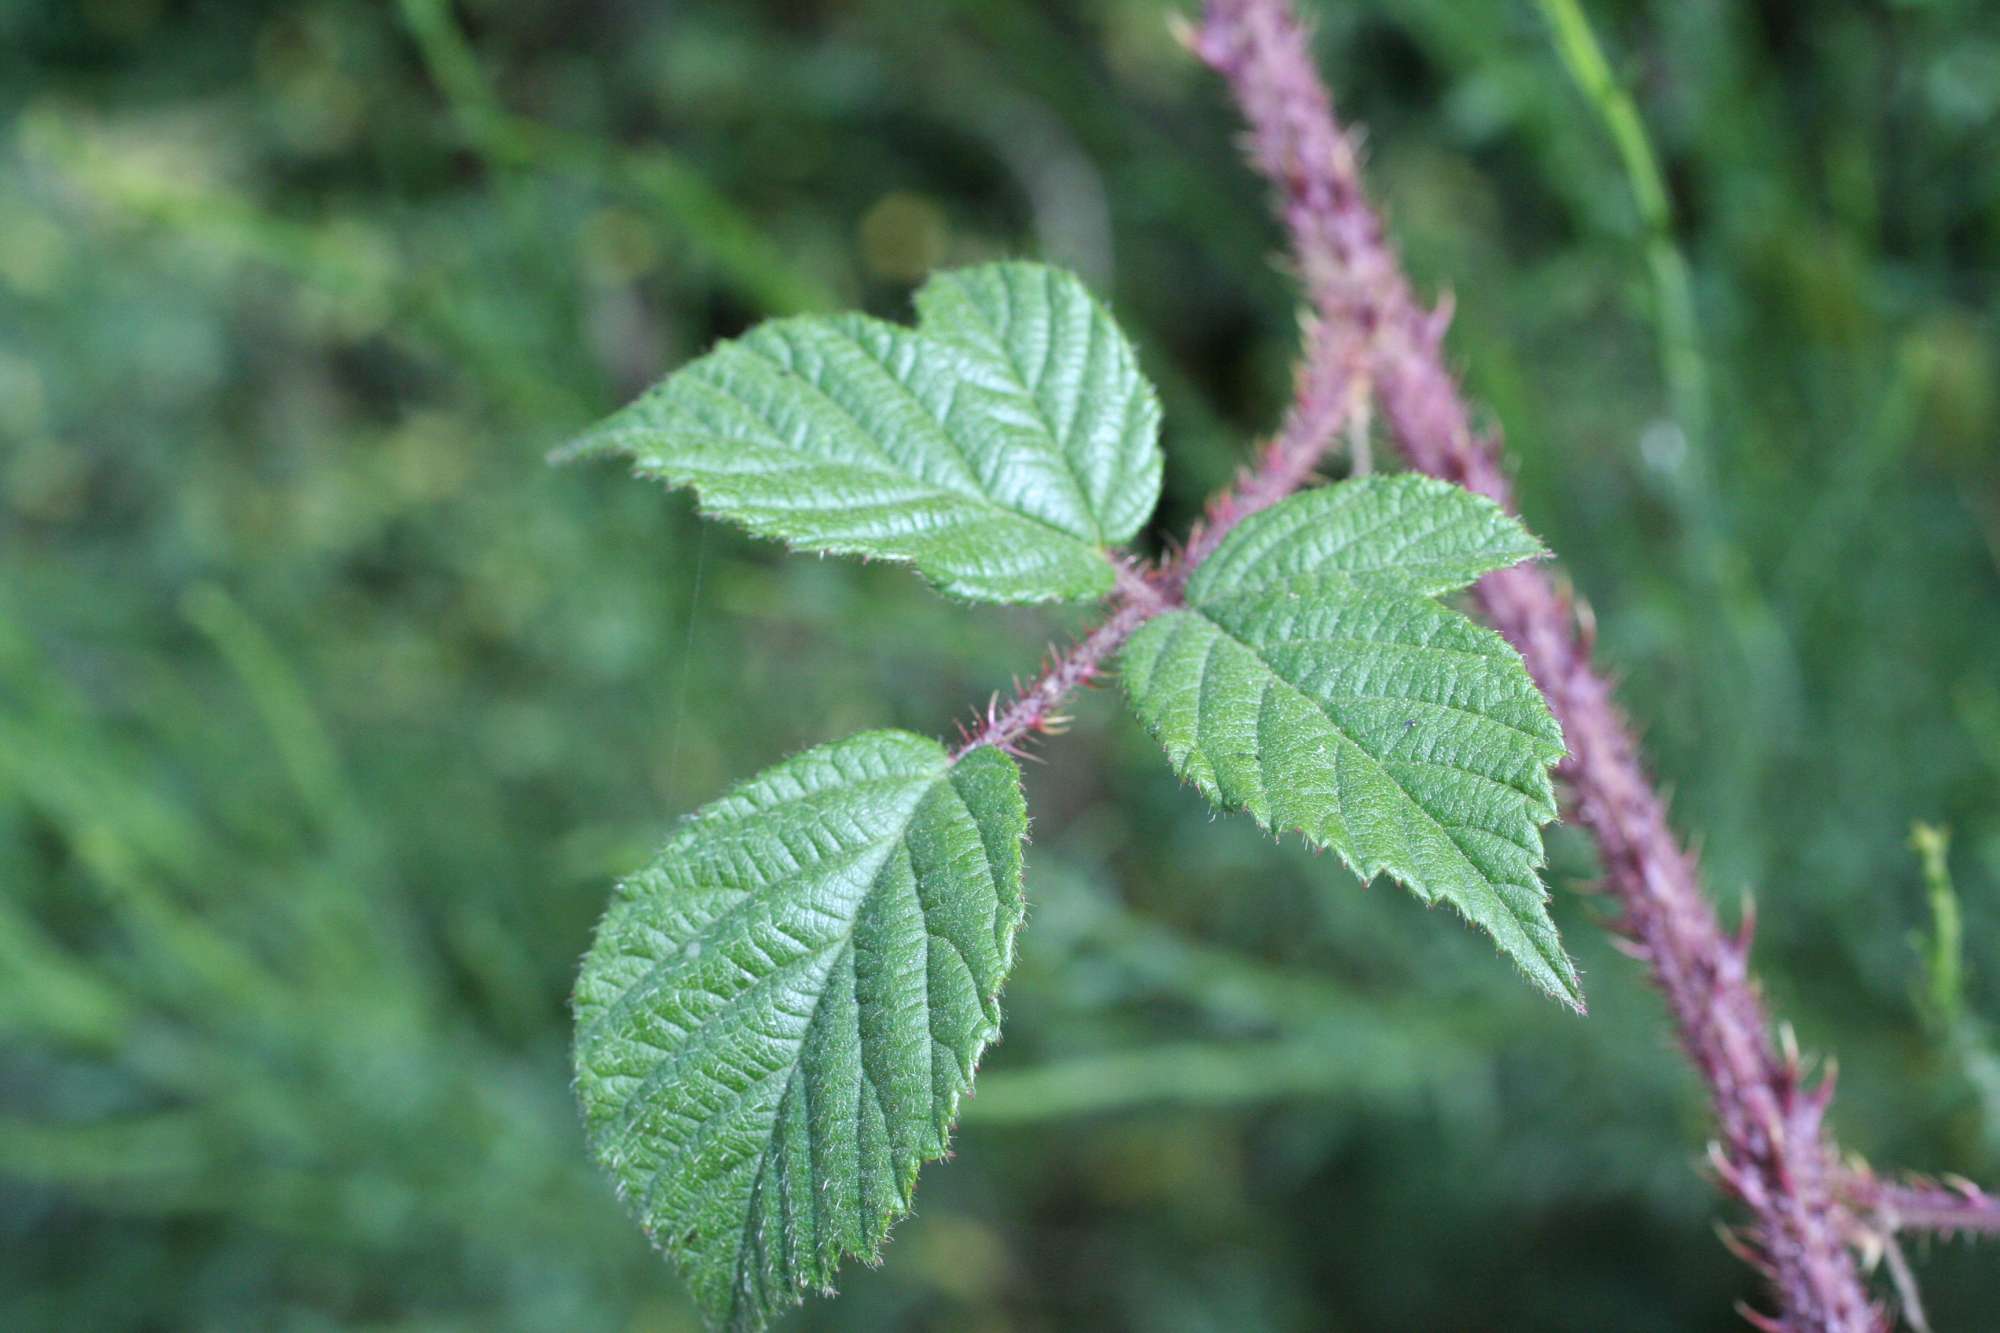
328	712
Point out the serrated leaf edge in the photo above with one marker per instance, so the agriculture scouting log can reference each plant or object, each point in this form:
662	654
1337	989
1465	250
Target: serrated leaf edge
949	772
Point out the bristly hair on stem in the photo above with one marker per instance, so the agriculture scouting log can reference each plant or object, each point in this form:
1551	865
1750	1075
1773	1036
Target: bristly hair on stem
1369	340
1773	1153
1330	401
1953	1206
1032	708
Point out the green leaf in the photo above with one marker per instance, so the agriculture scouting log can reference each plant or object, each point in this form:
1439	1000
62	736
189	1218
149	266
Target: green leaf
1312	681
780	1013
1405	531
1001	446
1064	352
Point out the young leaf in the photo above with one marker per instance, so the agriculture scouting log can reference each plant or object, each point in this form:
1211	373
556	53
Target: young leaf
1312	681
780	1013
1001	446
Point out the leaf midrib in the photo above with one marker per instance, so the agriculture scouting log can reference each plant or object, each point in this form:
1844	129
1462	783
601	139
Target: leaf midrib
748	898
1027	388
844	954
915	488
831	955
1391	561
1409	799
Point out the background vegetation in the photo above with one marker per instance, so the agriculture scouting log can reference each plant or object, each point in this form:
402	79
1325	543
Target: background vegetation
327	712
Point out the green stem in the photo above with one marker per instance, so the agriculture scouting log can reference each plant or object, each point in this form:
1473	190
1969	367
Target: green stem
1763	664
1944	950
1681	361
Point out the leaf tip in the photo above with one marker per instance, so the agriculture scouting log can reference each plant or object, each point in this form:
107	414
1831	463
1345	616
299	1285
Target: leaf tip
1558	978
592	444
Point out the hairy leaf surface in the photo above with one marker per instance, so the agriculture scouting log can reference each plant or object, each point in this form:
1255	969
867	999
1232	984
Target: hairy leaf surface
1001	446
1312	681
780	1013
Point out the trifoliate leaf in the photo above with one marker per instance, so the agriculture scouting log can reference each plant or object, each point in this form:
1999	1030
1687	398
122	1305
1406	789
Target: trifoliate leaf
1001	446
780	1013
1312	681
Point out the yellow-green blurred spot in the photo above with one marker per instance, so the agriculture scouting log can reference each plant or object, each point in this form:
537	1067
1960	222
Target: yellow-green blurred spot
903	237
46	481
618	245
33	251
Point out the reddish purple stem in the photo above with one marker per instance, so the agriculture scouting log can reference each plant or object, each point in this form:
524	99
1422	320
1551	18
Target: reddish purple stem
1331	395
1955	1207
1033	707
1773	1152
1368	335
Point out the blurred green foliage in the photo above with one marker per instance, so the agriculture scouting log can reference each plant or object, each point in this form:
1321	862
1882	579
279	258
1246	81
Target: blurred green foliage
327	712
